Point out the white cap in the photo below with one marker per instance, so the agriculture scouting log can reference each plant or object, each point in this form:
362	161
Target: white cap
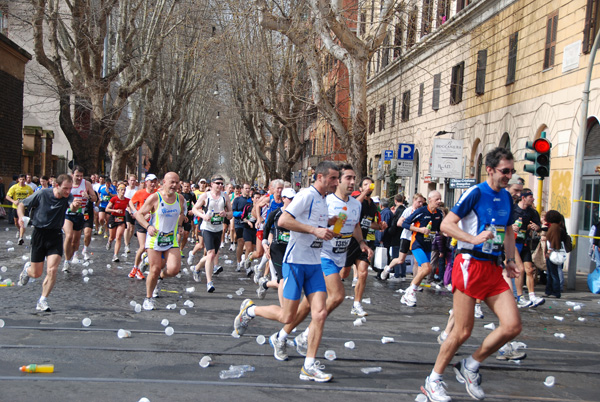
375	199
150	177
202	181
288	193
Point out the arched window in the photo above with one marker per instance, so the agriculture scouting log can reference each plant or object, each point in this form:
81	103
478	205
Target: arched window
505	141
479	169
592	142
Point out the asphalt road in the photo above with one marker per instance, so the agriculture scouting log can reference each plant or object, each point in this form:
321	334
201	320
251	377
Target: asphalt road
93	364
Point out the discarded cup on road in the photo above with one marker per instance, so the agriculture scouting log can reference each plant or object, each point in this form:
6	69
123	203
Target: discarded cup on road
228	262
84	272
86	322
230	296
3	269
190	289
577	307
1	323
189	303
370	370
421	398
171	306
491	326
582	319
330	355
367	300
9	243
132	303
559	318
205	361
169	331
144	399
358	322
387	339
86	279
108	266
559	335
436	329
164	322
350	345
138	308
261	339
122	333
239	292
11	249
182	311
549	381
25	257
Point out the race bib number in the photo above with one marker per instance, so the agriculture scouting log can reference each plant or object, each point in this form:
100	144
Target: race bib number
165	239
318	243
365	223
216	220
340	245
283	237
119	219
106	198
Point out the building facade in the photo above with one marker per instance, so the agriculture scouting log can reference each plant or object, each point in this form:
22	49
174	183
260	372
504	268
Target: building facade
490	73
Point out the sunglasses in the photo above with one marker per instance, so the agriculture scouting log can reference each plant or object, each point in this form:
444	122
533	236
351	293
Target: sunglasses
218	183
506	171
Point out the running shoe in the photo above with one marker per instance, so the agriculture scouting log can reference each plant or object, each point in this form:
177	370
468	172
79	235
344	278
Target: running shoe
301	343
21	241
359	311
155	292
196	275
435	390
115	258
100	231
149	304
24	276
478	312
217	270
248	262
314	373
86	256
523	303
222	245
354	282
257	275
385	273
127	250
507	352
106	236
239	267
409	298
249	271
42	305
241	321
181	254
190	259
232	247
139	275
108	245
209	287
261	291
536	301
66	267
471	380
133	272
279	347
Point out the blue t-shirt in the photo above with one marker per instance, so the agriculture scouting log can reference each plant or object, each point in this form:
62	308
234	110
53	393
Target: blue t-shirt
421	218
106	194
272	206
477	207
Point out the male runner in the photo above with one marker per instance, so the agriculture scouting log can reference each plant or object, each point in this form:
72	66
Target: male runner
190	200
478	275
75	219
136	203
267	204
307	219
166	209
105	192
424	224
17	193
238	207
49	206
130	191
212	206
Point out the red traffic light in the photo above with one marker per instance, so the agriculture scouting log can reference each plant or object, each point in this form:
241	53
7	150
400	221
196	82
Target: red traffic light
542	145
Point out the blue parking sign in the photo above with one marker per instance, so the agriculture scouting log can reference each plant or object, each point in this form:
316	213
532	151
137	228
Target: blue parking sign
406	151
388	155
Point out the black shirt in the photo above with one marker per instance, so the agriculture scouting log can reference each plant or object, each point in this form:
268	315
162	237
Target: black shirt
48	211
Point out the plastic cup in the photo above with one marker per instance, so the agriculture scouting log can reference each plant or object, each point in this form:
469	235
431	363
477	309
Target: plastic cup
261	340
330	355
182	311
387	339
86	279
3	269
1	323
84	272
86	322
350	345
205	361
122	333
169	331
358	322
90	271
164	322
132	303
190	289
138	308
549	381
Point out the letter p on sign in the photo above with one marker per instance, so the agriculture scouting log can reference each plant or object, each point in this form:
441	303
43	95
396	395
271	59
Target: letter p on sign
406	151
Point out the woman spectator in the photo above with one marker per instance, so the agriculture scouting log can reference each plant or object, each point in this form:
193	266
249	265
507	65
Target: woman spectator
557	239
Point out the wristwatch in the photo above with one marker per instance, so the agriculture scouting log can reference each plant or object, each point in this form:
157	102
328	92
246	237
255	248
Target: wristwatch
510	260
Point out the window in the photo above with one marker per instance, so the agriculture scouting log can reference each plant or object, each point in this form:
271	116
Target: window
393	112
512	58
406	106
385	48
426	17
481	66
398	34
550	46
412	28
421	95
460	4
592	13
456	86
435	102
443	11
372	118
363	24
372	10
382	117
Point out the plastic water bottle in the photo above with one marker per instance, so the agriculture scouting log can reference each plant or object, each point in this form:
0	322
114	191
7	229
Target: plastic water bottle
226	374
488	246
38	368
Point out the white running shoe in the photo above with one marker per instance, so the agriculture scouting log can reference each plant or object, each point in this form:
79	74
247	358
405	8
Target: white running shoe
42	305
478	312
190	259
409	298
359	311
86	256
66	267
279	347
435	391
127	249
314	373
385	273
149	304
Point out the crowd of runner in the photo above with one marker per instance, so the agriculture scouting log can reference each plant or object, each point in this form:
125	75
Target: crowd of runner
305	244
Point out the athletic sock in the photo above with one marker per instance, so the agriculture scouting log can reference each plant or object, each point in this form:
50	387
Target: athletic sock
471	364
413	287
282	336
356	304
42	298
250	311
532	296
435	376
309	361
263	262
305	333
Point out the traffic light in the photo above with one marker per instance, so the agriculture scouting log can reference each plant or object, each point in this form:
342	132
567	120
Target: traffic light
540	157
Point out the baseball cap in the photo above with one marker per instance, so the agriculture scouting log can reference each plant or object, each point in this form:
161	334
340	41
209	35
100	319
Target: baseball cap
288	193
375	199
355	194
202	181
150	177
514	179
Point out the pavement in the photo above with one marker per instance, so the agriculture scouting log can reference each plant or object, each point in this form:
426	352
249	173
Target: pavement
94	364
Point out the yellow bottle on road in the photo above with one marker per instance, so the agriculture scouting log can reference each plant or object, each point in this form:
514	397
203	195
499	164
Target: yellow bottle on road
38	368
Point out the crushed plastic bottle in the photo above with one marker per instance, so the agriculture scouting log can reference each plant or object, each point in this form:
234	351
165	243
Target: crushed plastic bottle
240	291
235	372
330	355
370	370
86	322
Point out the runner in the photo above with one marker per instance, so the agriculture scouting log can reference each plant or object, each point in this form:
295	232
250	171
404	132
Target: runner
166	209
49	206
43	183
212	206
16	194
238	208
130	191
477	274
190	200
74	222
136	203
307	219
356	255
106	192
117	207
424	223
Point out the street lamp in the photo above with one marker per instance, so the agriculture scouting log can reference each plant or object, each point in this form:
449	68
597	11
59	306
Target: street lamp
443	132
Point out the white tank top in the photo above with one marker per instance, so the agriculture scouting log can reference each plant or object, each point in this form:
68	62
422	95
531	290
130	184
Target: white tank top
214	224
165	220
80	192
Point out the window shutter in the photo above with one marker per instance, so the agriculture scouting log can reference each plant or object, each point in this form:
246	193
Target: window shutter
393	123
459	84
512	58
435	103
481	68
421	95
406	106
590	25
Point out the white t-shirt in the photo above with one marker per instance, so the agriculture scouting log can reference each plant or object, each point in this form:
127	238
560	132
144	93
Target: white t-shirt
216	205
406	233
308	207
96	187
336	248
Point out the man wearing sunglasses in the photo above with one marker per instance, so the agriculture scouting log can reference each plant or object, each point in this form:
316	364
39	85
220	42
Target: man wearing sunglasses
481	211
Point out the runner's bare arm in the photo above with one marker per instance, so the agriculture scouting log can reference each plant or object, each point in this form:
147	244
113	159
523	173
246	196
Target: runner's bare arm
197	208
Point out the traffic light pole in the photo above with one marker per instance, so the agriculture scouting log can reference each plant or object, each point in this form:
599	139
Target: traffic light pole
538	207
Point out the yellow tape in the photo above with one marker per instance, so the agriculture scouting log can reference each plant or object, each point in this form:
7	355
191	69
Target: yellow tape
591	202
589	237
169	291
8	206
